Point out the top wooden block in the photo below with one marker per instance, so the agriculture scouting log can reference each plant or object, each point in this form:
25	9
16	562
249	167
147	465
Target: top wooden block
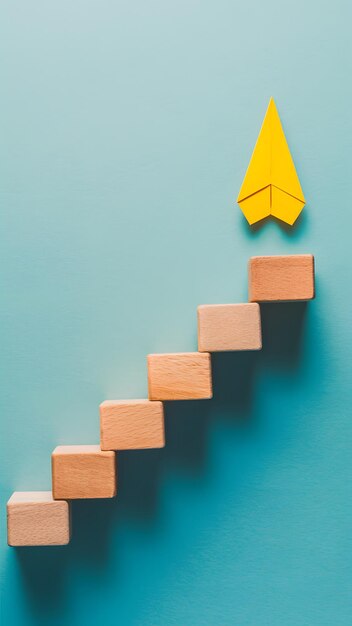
180	376
281	278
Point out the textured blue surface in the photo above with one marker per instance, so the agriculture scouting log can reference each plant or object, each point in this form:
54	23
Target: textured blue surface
126	129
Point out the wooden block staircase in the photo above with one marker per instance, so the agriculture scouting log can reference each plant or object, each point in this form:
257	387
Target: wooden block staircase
43	518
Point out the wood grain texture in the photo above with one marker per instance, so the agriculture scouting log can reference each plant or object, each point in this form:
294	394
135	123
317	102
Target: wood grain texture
281	278
131	424
83	472
34	518
179	376
226	327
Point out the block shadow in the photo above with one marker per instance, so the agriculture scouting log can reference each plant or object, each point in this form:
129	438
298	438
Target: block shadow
187	424
283	327
43	578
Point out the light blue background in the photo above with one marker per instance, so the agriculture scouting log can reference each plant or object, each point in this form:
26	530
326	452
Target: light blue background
126	129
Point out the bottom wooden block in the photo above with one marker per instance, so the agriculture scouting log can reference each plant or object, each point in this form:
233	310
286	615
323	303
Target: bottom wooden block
83	472
34	518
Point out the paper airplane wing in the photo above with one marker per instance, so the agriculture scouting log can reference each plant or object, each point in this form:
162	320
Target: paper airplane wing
254	196
257	206
258	173
284	206
283	173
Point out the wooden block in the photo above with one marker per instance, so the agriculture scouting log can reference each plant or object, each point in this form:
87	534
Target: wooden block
35	519
180	376
226	327
131	424
280	278
83	472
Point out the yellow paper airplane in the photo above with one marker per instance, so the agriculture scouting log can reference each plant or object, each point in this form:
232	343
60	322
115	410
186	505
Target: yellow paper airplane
271	185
